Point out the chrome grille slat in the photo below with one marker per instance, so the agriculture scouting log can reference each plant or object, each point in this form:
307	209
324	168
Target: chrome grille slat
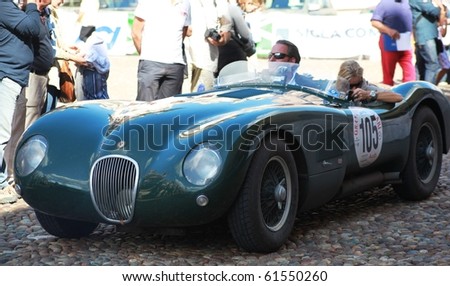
113	183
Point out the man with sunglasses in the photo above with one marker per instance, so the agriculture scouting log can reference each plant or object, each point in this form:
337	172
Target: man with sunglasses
284	51
351	81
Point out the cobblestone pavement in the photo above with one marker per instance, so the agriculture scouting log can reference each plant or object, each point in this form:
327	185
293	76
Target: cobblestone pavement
371	228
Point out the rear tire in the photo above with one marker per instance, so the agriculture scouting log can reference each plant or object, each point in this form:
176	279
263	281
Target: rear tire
65	228
263	216
423	167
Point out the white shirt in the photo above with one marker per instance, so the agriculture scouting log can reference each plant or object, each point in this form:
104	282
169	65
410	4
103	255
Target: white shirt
205	14
89	12
96	53
162	36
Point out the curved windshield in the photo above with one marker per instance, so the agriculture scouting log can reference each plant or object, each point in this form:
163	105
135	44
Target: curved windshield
279	74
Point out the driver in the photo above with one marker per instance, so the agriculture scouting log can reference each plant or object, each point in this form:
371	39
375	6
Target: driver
286	51
351	81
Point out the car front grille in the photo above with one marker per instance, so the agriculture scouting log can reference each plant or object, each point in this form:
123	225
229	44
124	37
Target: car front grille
113	185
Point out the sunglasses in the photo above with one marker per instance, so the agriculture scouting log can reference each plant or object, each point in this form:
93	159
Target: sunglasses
278	56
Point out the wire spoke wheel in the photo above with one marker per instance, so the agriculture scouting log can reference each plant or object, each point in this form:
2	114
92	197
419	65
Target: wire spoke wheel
426	155
422	170
276	194
264	213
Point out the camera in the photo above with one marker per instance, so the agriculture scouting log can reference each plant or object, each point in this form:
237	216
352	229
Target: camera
213	34
350	95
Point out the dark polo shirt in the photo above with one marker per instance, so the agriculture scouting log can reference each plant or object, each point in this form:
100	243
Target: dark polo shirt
16	31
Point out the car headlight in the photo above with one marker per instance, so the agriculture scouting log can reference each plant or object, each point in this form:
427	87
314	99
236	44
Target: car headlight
202	164
30	155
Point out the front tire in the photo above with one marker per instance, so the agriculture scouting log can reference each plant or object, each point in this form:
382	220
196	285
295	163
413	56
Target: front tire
65	228
421	174
263	216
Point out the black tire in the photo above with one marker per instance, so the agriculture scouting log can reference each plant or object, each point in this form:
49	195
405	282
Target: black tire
421	173
65	228
264	213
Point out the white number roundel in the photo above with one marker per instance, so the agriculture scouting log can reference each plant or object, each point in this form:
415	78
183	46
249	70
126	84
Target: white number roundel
367	135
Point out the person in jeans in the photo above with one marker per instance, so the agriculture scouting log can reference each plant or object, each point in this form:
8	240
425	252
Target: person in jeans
158	31
93	65
17	29
426	18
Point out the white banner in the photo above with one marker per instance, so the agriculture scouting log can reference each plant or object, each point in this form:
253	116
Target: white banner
344	35
115	26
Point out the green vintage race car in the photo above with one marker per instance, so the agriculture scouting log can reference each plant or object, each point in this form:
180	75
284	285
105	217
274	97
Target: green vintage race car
256	149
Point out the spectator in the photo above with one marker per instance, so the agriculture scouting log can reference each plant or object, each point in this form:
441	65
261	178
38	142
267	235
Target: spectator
59	46
443	58
426	15
393	18
233	50
93	65
17	28
161	66
87	17
61	69
250	6
210	26
36	90
31	100
351	78
253	16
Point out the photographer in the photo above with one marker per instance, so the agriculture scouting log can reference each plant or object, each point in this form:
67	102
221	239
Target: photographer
210	26
350	80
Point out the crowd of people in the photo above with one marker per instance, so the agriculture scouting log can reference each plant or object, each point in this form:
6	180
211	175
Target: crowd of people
212	33
32	45
401	21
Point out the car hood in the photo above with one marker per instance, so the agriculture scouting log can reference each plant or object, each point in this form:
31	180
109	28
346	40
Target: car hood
114	124
193	110
154	134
